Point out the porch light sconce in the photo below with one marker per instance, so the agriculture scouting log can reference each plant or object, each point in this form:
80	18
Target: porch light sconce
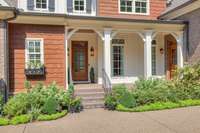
161	51
92	51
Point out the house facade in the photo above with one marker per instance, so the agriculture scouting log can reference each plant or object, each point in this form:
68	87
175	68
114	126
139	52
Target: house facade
72	41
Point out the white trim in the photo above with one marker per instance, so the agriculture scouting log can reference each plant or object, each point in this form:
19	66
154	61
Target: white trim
41	9
79	11
112	67
133	9
41	49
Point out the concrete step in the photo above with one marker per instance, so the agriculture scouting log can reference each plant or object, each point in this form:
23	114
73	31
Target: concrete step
89	90
93	98
89	94
91	105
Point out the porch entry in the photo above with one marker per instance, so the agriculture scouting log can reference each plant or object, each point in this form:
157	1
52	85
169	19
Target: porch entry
171	55
79	60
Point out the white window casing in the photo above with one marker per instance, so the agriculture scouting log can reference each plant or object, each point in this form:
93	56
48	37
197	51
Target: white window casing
120	56
134	7
41	53
79	11
41	9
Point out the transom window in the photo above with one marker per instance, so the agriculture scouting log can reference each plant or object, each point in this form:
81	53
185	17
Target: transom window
79	5
117	57
34	51
134	6
41	4
153	51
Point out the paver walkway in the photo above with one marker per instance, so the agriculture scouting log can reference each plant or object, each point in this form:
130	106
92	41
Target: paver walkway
185	120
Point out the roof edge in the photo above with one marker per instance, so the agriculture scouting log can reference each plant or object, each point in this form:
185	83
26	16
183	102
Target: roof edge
102	18
175	9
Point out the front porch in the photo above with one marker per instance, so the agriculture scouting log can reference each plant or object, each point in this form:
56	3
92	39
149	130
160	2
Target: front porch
124	55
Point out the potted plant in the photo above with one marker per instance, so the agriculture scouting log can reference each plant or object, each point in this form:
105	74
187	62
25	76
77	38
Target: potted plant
35	69
92	76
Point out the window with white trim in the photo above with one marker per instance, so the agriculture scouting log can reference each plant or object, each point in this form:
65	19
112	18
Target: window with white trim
134	6
153	51
117	57
41	4
79	5
34	51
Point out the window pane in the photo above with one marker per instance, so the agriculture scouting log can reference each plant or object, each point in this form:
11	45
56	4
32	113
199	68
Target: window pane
153	60
79	5
34	49
141	6
41	4
117	64
126	6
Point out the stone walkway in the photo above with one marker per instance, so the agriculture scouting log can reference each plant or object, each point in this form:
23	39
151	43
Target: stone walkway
185	120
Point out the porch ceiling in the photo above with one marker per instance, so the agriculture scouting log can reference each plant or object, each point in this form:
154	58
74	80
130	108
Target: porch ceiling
90	22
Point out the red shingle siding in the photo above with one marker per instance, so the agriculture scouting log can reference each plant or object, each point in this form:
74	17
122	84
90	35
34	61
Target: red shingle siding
54	54
109	8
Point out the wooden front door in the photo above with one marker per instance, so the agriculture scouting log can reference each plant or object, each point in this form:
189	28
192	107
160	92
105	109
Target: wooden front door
171	58
79	61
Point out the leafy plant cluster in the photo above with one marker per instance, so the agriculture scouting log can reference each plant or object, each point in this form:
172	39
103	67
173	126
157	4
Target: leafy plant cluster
41	100
185	85
34	65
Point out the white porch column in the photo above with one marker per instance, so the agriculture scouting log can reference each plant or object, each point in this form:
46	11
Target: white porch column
107	50
66	57
180	61
147	54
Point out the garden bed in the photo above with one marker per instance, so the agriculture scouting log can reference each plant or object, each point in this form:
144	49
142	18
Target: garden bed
40	103
158	94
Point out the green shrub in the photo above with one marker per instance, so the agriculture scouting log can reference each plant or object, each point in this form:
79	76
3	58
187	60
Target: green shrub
71	89
75	105
1	103
4	121
50	106
27	85
52	116
22	119
17	105
158	91
127	100
120	95
110	102
92	75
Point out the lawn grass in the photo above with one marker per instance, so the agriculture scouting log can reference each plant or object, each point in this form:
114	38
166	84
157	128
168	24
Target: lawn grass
159	106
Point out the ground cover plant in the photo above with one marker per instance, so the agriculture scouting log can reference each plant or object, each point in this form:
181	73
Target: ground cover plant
40	103
157	94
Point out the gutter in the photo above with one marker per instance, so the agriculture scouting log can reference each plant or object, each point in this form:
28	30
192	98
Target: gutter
97	18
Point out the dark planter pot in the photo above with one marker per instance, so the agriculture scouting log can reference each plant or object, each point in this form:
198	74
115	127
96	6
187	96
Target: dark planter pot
35	71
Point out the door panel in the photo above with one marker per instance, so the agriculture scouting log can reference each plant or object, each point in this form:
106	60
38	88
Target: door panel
79	61
171	59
